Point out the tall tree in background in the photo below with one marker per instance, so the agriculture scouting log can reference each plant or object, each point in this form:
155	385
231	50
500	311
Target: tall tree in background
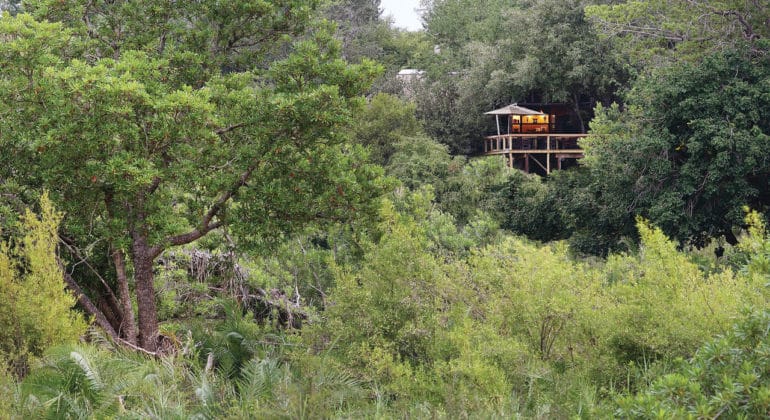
358	23
499	52
365	33
653	32
689	152
155	123
11	6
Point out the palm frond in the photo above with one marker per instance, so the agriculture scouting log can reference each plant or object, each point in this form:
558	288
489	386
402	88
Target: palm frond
93	380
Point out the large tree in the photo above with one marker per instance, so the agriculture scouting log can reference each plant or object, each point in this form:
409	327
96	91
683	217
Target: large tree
690	150
358	21
155	123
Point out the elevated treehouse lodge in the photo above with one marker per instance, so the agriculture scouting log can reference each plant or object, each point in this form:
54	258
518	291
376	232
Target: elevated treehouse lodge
532	140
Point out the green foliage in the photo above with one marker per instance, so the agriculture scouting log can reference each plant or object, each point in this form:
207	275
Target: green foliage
419	160
383	123
495	52
8	392
463	188
232	342
391	321
663	305
513	318
367	35
428	322
358	27
36	311
752	255
532	208
89	381
655	31
727	377
474	189
460	21
692	171
98	381
380	312
156	123
405	49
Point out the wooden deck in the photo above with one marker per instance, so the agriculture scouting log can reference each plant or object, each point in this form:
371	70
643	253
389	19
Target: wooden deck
544	150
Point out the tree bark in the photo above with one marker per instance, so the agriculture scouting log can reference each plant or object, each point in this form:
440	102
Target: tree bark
145	294
88	305
128	323
144	255
576	103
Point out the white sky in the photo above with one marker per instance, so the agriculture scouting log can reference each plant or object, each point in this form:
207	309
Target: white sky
404	13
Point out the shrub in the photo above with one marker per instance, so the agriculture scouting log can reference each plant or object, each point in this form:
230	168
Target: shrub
728	377
662	305
35	311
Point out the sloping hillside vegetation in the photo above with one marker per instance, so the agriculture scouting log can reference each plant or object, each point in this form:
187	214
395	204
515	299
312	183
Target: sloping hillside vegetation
237	210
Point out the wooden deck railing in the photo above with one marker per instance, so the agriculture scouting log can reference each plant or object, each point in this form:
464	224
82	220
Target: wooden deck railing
559	146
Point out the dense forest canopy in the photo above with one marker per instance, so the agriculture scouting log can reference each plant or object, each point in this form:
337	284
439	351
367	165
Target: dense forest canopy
236	209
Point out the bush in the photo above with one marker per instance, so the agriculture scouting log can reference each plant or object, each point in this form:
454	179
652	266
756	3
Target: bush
728	377
35	311
662	305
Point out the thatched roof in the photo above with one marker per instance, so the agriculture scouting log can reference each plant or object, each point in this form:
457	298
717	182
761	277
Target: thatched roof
514	109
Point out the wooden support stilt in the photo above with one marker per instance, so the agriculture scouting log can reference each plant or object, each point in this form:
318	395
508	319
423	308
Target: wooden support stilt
548	154
539	163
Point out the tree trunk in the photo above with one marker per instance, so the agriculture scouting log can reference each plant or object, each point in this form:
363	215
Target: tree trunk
576	104
88	305
128	323
730	237
145	294
127	326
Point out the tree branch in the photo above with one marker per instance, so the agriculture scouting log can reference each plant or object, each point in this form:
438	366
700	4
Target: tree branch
128	325
206	225
194	235
135	347
154	186
748	29
111	298
225	130
88	305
